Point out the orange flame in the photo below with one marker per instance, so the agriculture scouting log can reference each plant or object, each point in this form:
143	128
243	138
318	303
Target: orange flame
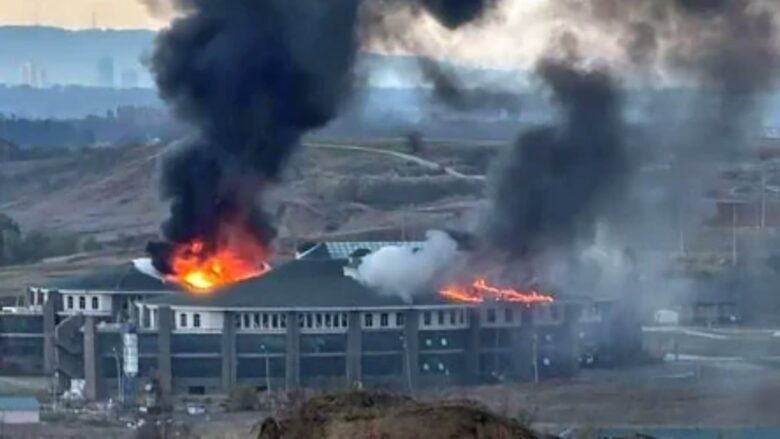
237	256
480	290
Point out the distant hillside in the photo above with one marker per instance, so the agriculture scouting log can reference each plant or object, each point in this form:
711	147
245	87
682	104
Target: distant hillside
71	57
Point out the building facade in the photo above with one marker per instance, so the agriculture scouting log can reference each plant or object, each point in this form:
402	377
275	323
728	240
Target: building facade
307	323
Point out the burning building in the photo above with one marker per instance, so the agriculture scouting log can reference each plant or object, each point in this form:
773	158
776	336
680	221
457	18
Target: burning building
307	323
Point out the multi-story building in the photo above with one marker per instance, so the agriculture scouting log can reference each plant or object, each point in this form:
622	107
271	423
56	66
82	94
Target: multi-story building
307	323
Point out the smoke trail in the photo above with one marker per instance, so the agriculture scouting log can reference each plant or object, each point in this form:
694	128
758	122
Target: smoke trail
451	92
550	186
251	78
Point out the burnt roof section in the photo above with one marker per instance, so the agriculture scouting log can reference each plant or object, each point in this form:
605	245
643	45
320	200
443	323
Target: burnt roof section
118	278
301	283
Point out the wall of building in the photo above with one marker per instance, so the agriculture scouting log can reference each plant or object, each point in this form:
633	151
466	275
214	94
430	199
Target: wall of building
86	303
21	344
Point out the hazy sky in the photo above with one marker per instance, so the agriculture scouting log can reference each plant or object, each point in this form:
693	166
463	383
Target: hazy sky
77	14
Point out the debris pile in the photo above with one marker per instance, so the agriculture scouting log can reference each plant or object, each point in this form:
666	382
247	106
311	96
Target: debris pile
361	414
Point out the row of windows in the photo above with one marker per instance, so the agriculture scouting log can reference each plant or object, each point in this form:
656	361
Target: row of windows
184	320
453	317
261	321
82	302
323	320
383	320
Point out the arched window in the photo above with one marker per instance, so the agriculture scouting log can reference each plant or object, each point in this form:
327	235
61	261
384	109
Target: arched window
70	302
95	302
82	302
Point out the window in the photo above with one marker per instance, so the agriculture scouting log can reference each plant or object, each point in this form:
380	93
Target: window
309	321
82	302
275	321
368	320
441	318
237	320
328	320
196	390
399	319
282	321
427	318
318	320
183	320
508	315
95	304
344	321
196	320
453	316
256	320
384	319
265	321
462	315
491	315
70	302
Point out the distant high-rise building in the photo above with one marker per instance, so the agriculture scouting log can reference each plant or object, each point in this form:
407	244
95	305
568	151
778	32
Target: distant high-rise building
105	72
129	78
32	75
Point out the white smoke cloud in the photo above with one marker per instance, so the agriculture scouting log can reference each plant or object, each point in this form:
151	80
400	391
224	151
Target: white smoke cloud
404	270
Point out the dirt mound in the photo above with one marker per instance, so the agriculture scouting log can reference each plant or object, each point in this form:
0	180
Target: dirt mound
381	415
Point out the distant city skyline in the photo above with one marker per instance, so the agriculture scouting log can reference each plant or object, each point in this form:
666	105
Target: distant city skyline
78	14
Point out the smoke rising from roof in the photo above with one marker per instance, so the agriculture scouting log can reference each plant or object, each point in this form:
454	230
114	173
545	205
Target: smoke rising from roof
404	271
251	78
554	179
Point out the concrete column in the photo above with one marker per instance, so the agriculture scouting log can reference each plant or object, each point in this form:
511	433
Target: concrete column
50	309
411	346
473	346
117	300
522	339
354	348
228	352
134	314
571	343
164	328
293	352
93	371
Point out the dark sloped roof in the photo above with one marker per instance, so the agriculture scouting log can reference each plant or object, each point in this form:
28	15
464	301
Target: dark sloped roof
297	284
124	277
345	249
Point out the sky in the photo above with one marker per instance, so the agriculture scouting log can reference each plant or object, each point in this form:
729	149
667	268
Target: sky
78	14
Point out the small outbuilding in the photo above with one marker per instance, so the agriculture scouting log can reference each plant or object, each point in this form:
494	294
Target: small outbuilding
19	410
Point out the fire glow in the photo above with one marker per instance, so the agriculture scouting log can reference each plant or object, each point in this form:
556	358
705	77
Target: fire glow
236	256
480	291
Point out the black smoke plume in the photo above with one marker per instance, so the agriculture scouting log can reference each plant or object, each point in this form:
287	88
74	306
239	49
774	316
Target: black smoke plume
449	90
250	77
554	181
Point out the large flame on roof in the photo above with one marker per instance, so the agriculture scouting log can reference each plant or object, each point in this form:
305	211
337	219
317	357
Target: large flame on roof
480	291
234	256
